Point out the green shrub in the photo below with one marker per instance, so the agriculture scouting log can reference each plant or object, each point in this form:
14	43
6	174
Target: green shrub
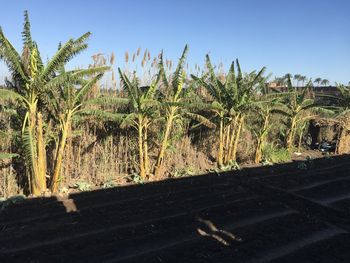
276	155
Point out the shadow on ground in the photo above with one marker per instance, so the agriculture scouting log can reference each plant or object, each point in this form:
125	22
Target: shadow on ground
295	212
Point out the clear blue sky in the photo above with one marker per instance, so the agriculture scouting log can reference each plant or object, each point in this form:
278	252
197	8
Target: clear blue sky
310	37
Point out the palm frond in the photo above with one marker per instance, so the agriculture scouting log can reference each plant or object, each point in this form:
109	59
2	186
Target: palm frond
102	115
108	101
57	60
29	149
201	119
161	72
11	57
10	95
4	156
26	34
178	77
83	91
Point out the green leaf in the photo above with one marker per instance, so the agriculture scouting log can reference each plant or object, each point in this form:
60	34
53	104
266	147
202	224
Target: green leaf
4	156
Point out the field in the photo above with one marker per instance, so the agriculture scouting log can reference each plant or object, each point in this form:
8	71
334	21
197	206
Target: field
296	212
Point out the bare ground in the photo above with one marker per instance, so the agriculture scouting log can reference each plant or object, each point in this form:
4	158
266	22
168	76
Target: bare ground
283	213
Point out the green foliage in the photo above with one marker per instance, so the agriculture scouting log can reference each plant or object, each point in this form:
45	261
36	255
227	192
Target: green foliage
185	172
273	154
82	186
4	156
136	178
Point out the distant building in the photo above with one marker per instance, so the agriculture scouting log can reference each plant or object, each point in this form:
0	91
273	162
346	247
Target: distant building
318	90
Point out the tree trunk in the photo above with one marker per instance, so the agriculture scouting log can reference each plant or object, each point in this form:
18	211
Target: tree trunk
164	144
59	155
258	154
145	146
261	140
227	142
290	136
232	139
141	157
32	163
41	155
234	150
221	143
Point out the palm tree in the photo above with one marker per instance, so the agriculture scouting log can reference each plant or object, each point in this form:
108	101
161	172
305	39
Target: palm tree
302	79
325	82
144	107
31	83
264	108
294	106
231	101
297	78
64	106
174	95
318	81
339	109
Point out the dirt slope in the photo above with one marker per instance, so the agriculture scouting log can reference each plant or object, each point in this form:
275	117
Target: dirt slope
285	213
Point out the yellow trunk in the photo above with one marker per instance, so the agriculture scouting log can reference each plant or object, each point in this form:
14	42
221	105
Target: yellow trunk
59	156
41	155
258	152
221	143
163	145
261	141
33	163
234	150
227	142
232	139
141	158
145	146
290	136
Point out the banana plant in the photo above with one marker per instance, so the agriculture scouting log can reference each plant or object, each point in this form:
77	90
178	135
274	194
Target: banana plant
263	109
231	100
264	113
340	108
64	106
143	111
31	83
296	107
174	94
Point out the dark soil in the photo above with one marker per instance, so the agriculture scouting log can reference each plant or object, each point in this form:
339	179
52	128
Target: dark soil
283	213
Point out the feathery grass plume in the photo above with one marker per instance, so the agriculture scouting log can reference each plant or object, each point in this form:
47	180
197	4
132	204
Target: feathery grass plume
133	58
112	59
145	55
138	51
126	56
148	56
154	63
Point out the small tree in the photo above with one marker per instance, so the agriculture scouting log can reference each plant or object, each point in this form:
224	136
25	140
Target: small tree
318	81
325	82
294	107
144	108
174	95
33	85
231	99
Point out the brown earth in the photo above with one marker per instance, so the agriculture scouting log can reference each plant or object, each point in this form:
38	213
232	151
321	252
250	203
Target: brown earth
297	212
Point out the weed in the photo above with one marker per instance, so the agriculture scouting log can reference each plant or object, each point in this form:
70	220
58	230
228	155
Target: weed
82	186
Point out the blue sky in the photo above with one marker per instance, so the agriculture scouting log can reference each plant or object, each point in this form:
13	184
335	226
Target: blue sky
309	37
